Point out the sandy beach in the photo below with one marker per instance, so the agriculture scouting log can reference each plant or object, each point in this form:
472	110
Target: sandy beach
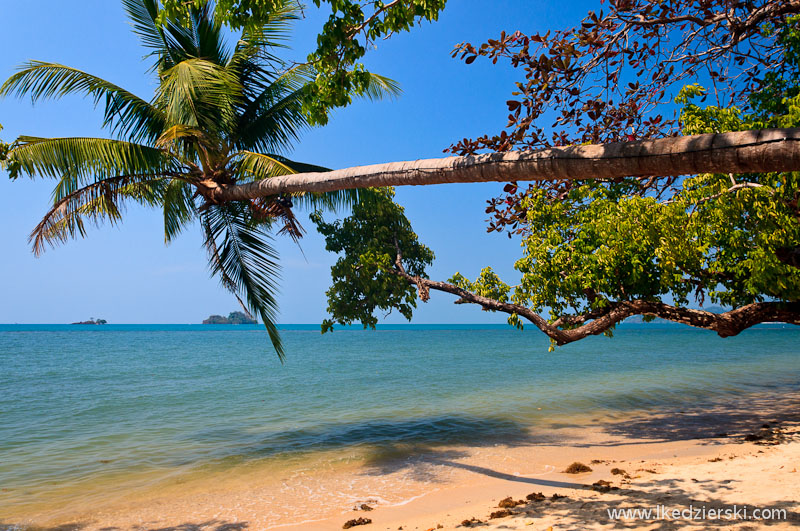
697	462
693	478
696	478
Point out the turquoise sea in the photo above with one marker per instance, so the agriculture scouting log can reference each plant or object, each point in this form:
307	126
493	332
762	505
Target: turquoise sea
83	403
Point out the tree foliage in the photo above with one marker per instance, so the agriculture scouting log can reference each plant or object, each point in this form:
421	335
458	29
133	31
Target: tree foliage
613	77
596	252
364	279
717	237
222	114
351	29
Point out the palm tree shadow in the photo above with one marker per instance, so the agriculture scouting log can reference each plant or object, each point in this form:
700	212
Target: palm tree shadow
388	439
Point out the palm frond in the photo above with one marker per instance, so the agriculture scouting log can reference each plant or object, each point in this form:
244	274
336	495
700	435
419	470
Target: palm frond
254	48
198	93
207	35
381	87
182	133
241	255
179	208
275	31
173	41
79	160
127	114
97	202
252	166
183	39
274	119
143	15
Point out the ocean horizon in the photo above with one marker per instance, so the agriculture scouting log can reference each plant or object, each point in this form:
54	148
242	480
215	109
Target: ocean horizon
357	327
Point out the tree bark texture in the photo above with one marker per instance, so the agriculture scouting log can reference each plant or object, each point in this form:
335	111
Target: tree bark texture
766	150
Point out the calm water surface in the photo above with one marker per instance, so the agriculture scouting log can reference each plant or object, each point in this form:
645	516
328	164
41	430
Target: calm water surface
83	402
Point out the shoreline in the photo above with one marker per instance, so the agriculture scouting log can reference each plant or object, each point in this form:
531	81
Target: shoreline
418	486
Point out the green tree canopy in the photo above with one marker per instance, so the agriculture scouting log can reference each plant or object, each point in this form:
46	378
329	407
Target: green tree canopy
596	252
365	278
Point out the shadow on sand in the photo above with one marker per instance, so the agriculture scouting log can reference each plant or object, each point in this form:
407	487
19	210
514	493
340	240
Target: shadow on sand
709	420
210	525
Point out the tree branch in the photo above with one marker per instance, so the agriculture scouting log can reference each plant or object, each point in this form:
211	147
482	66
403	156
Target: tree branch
789	256
735	187
598	321
376	14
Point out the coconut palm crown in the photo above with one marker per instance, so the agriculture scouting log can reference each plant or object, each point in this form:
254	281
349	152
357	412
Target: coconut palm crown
221	115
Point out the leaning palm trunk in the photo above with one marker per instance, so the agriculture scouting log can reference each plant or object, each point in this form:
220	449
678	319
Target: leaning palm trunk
767	150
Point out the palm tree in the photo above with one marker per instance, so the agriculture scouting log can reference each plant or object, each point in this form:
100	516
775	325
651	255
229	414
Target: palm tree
221	116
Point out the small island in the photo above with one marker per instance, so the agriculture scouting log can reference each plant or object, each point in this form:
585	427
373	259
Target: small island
233	318
92	321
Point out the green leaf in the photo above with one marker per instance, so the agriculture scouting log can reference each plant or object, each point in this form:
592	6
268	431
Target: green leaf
241	254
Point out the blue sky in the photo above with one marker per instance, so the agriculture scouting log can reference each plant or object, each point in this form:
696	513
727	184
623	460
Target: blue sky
126	274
